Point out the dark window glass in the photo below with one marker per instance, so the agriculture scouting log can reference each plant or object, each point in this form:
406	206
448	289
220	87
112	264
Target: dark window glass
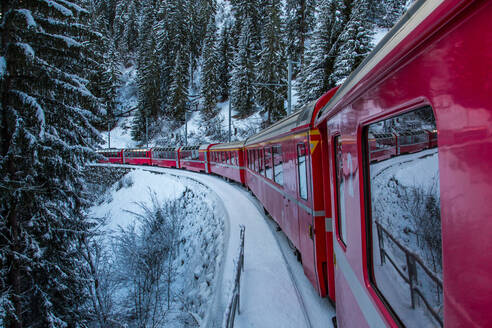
405	217
340	181
302	171
277	164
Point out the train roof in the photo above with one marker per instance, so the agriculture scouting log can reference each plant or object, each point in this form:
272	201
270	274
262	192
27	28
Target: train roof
165	148
228	145
105	150
136	149
195	147
419	11
299	118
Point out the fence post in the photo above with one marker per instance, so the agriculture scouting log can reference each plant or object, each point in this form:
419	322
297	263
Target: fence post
381	244
411	276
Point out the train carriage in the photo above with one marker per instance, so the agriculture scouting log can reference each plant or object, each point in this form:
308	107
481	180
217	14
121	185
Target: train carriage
283	171
382	146
137	156
412	232
411	141
195	158
227	160
110	155
165	157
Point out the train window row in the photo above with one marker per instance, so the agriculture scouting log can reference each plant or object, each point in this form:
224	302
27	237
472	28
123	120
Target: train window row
167	154
110	153
136	153
225	157
403	216
267	162
190	155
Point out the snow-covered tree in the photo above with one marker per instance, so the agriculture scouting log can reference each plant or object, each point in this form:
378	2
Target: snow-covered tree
177	102
356	42
315	77
271	70
225	57
46	110
210	75
299	22
243	74
148	70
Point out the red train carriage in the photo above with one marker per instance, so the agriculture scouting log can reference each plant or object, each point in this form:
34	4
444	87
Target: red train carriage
137	156
195	158
165	157
382	146
411	141
111	155
227	160
283	171
412	232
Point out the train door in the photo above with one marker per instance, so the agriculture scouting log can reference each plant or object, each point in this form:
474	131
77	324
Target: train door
305	211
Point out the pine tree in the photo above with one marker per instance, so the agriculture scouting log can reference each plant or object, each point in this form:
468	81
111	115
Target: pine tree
177	103
299	22
271	72
316	74
210	83
356	42
126	26
243	74
46	110
224	54
394	9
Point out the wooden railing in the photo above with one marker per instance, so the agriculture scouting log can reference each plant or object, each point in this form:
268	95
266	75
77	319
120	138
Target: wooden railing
234	301
412	260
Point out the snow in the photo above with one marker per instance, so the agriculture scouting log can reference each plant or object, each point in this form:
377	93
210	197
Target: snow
65	11
379	33
29	19
122	200
274	289
69	41
3	66
120	136
28	50
198	261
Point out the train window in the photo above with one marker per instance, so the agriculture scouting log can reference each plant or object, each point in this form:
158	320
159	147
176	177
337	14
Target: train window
277	165
255	155
404	217
268	163
302	171
340	182
262	162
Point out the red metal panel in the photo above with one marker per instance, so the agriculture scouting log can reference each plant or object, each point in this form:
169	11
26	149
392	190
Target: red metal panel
449	72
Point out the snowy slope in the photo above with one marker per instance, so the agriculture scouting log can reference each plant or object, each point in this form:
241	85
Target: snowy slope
274	290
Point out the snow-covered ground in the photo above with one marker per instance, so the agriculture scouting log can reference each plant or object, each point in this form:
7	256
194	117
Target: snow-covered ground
274	290
197	264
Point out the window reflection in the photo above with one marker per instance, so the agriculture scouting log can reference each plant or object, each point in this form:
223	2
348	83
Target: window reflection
405	216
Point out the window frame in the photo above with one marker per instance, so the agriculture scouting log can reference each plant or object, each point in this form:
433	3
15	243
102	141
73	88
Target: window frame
370	277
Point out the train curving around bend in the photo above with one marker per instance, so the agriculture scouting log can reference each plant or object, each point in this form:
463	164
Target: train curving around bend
383	185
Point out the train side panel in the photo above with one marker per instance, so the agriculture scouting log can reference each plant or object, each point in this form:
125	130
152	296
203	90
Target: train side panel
444	70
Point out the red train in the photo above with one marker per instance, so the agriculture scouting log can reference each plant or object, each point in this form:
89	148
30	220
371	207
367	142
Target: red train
383	185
